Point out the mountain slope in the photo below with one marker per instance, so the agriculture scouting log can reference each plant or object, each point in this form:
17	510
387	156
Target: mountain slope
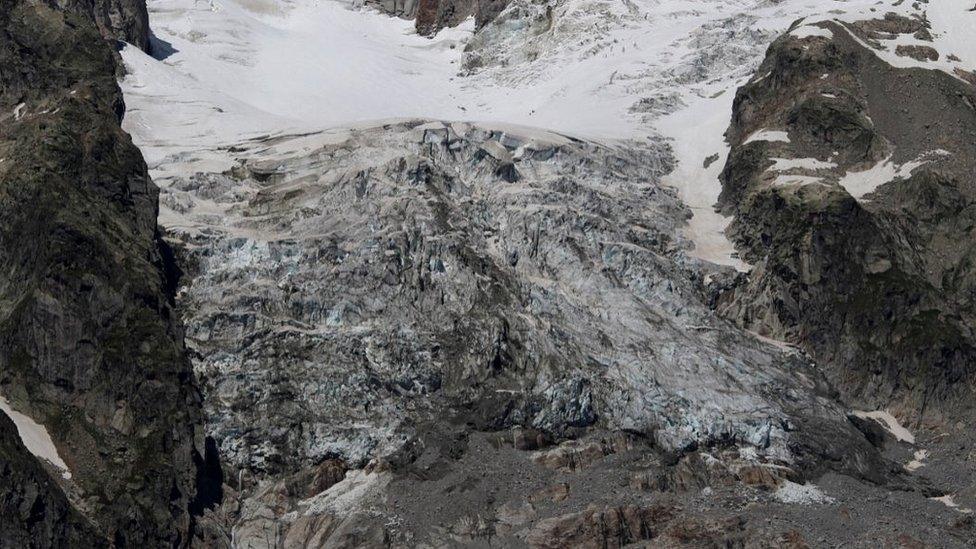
90	350
859	220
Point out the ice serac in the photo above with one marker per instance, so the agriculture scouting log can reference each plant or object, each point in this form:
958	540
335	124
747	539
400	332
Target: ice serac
90	347
863	237
431	16
361	294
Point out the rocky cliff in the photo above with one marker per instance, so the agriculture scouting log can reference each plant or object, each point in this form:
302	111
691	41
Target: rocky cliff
126	20
434	15
36	512
851	182
90	347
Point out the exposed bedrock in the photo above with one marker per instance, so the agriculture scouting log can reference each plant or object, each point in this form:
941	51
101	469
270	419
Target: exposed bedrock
433	15
36	512
126	20
852	185
90	346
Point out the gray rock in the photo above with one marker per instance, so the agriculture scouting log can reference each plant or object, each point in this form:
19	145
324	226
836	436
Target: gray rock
877	287
126	20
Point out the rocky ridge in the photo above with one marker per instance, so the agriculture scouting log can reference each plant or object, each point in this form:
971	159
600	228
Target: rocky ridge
433	15
126	20
851	182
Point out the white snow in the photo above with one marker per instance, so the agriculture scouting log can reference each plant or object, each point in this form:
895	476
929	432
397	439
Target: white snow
796	180
784	164
801	494
952	22
888	421
948	501
864	182
697	132
806	31
768	135
35	438
238	69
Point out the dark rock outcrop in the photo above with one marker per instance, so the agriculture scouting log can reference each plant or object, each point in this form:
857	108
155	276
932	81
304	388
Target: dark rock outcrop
876	283
434	15
89	344
126	20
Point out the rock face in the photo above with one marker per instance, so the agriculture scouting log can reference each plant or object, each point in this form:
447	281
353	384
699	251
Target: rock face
433	15
126	20
36	512
89	344
858	213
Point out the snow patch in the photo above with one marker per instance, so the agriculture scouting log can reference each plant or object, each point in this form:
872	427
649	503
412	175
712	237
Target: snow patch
784	164
697	131
864	182
35	438
948	501
797	180
889	422
917	460
768	135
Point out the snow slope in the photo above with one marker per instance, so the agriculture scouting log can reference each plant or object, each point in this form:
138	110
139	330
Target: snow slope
603	70
35	438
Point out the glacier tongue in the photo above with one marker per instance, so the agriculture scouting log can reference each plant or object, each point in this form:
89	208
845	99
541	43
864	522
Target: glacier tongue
385	276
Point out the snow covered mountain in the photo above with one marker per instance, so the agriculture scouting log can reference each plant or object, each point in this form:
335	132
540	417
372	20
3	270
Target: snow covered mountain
545	273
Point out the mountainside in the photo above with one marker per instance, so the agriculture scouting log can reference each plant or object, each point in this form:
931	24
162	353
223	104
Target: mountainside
527	273
859	215
90	347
